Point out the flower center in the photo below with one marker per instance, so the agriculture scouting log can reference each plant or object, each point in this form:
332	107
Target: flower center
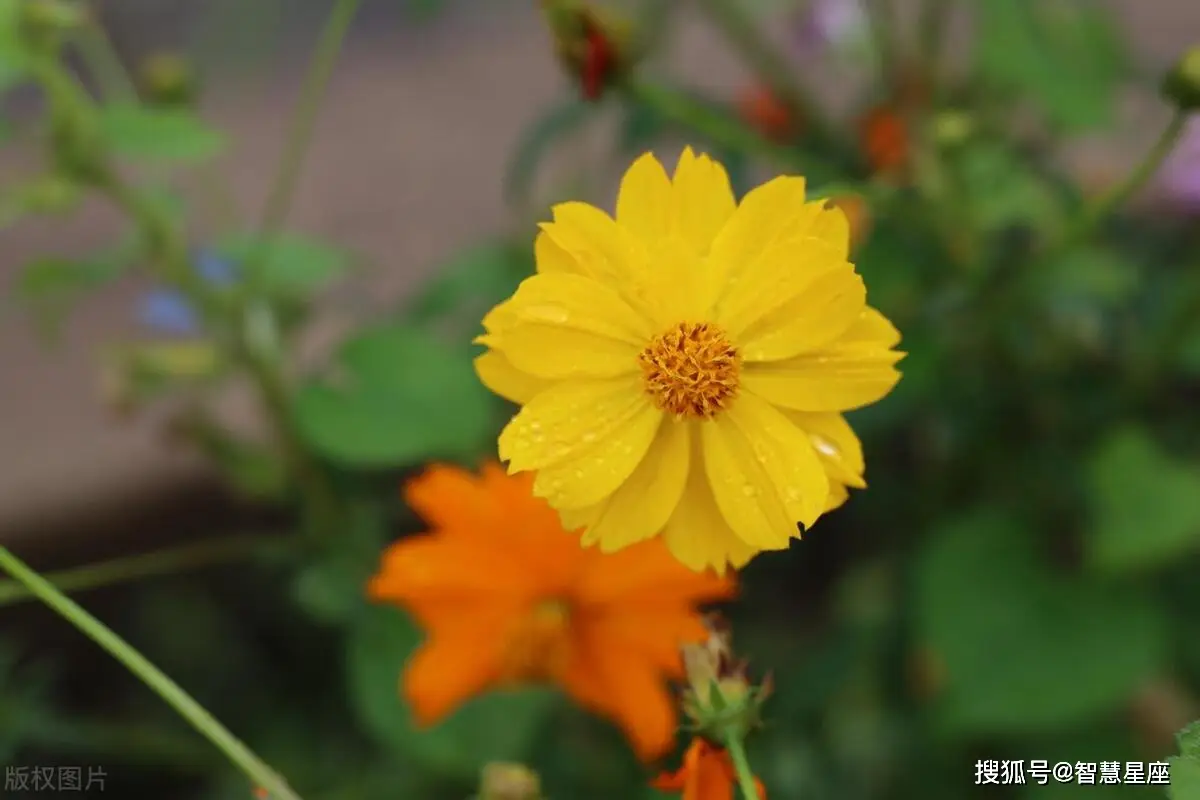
691	370
537	645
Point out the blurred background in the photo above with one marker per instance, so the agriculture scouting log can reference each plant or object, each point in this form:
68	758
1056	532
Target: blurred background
411	155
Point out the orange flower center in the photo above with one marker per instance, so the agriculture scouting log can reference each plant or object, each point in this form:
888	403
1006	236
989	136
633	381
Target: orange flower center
691	370
537	645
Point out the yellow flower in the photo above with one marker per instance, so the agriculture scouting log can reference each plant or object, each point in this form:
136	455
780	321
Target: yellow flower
683	368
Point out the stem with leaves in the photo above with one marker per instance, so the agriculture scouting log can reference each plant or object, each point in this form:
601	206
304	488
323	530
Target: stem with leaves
205	723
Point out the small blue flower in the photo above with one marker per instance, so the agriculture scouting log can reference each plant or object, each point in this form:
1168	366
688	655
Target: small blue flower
169	311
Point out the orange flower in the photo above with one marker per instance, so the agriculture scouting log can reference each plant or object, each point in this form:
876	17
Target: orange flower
884	139
507	597
707	774
761	109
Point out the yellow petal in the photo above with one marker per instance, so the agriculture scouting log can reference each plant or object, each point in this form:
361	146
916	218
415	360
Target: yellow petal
836	444
696	534
838	495
805	244
500	376
784	454
644	200
816	314
701	200
854	371
602	248
576	519
641	507
835	379
766	213
747	501
550	257
554	353
567	418
592	473
578	302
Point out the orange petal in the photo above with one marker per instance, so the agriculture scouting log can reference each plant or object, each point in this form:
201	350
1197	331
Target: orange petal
447	670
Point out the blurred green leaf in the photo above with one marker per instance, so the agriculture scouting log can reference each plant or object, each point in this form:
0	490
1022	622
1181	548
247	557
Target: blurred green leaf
1072	649
295	266
1064	54
1185	778
1004	190
1096	274
471	282
403	397
1144	509
332	587
50	286
12	55
1188	740
156	133
500	726
557	122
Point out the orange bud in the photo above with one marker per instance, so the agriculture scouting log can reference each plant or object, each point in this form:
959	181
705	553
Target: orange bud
763	111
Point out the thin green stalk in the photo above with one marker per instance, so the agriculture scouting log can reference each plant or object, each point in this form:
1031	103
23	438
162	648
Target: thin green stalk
1106	204
205	723
881	15
143	565
931	35
283	189
741	768
738	26
104	62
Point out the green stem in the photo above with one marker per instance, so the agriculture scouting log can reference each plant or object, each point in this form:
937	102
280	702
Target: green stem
931	29
283	189
741	767
102	59
1109	202
731	17
143	565
881	15
199	717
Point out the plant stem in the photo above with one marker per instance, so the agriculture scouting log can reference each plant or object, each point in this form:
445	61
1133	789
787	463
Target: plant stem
143	565
1109	202
741	768
102	59
199	717
773	69
283	189
931	29
881	16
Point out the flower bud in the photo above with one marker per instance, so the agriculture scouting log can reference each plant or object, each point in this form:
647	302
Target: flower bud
167	79
502	781
594	47
42	22
720	699
952	128
1181	85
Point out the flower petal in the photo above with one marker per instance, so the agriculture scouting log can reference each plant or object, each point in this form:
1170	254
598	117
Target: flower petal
500	376
644	199
837	446
767	213
815	315
647	574
761	487
550	257
840	378
567	418
449	668
642	505
697	535
592	473
701	200
603	249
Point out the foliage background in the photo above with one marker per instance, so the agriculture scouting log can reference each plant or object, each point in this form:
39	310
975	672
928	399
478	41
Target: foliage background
1017	582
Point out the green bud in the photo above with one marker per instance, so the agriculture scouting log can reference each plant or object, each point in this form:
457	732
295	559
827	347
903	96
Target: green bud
1181	86
720	700
42	22
167	79
952	128
501	781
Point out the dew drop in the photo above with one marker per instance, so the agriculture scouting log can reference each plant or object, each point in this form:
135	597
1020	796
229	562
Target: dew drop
824	446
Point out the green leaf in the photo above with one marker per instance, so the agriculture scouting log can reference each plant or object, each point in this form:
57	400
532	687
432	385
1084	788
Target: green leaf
1003	190
50	286
536	141
1185	778
332	587
1071	649
154	133
403	397
1188	740
471	282
294	266
501	726
1144	509
1094	274
1063	53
